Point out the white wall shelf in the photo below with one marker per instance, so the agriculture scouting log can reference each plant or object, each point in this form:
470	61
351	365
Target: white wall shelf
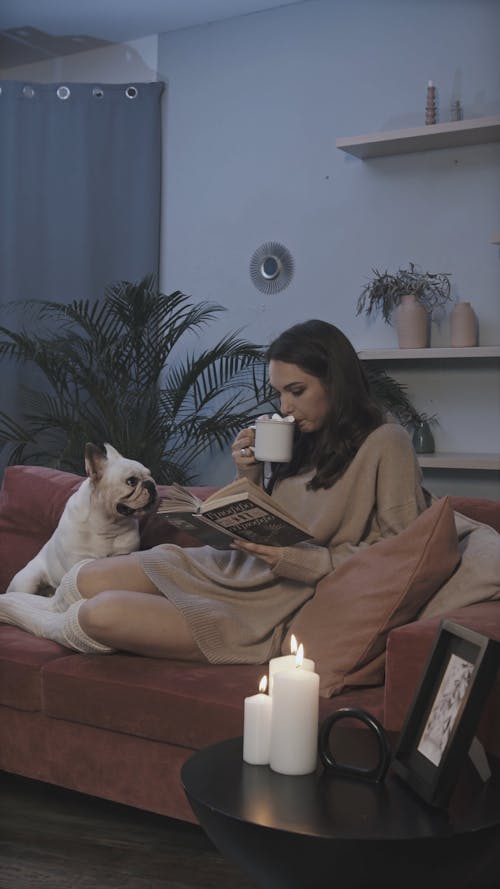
454	134
429	353
450	459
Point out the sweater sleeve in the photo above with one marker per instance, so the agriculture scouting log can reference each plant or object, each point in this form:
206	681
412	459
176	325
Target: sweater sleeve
399	494
255	473
304	562
379	495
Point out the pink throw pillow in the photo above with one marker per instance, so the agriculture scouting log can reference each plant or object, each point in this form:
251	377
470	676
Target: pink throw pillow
344	626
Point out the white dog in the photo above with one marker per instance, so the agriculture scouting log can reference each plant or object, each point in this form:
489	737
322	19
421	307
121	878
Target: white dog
100	519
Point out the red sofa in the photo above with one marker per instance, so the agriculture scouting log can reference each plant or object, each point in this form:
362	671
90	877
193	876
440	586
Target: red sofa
119	726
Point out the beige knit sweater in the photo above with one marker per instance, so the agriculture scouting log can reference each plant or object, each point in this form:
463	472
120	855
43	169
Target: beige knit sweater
237	607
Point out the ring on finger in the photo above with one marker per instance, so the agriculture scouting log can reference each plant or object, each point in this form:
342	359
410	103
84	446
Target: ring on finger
243	451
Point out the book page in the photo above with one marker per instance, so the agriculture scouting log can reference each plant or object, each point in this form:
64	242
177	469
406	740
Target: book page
244	490
256	523
205	532
178	500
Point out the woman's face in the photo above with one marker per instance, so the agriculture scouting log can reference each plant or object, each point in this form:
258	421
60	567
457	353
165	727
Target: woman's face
301	395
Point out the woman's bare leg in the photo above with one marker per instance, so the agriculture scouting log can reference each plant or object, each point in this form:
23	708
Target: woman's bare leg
126	611
139	623
114	573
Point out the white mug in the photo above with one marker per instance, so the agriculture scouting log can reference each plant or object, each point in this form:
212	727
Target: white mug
273	440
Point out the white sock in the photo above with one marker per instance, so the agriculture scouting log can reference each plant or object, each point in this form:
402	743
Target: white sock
75	637
30	601
67	592
63	627
25	610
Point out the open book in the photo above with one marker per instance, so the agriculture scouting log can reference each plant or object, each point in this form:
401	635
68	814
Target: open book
240	509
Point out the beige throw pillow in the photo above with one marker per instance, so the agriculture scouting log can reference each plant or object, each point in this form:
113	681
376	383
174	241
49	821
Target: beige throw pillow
344	627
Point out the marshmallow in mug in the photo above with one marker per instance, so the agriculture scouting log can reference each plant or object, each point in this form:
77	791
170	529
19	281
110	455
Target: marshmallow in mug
274	438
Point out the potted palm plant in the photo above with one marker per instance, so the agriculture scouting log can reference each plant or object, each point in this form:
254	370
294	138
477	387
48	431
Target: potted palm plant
116	369
411	295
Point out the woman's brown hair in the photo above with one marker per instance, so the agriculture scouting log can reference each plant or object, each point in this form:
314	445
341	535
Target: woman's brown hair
322	350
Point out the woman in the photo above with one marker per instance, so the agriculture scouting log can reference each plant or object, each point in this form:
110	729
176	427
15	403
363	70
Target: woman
353	479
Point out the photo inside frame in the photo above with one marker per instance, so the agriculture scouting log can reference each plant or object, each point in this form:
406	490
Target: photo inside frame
441	722
446	709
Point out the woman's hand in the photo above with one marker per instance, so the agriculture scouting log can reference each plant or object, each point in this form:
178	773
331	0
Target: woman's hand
269	554
243	456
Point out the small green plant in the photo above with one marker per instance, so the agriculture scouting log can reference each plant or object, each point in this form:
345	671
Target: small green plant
393	397
385	291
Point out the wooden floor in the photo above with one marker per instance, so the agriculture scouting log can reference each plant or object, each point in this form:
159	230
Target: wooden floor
56	839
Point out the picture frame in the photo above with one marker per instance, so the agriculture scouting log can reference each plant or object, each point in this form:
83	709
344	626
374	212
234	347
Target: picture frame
441	722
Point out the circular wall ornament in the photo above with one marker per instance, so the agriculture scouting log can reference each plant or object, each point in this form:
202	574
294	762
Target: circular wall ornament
271	267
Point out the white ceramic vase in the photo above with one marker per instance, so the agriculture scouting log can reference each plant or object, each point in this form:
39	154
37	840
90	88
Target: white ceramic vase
463	325
412	323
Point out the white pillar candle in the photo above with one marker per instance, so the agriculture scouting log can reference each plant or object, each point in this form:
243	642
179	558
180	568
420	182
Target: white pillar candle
257	727
287	662
294	727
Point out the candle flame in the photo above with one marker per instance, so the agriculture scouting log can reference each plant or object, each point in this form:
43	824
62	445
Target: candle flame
293	645
263	684
299	659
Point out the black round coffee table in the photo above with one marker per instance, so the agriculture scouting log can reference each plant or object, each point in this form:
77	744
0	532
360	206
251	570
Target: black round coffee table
320	831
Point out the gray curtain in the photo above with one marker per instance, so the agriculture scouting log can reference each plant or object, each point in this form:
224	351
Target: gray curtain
79	194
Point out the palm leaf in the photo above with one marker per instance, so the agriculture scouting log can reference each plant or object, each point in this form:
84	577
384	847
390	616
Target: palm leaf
109	375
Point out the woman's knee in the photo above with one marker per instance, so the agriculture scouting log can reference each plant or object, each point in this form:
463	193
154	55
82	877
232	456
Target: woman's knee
98	615
115	572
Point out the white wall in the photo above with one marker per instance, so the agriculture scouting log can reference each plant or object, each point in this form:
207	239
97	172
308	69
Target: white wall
252	110
254	107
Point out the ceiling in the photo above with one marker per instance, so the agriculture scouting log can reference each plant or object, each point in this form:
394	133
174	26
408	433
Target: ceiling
34	30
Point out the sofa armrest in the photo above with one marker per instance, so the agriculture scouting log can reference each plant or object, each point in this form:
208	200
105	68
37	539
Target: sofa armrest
32	499
478	508
408	649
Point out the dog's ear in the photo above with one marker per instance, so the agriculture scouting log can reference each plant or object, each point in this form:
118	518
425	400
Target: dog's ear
111	452
95	458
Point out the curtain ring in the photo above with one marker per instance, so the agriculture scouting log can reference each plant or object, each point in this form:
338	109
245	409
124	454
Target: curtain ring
98	92
63	92
28	92
131	92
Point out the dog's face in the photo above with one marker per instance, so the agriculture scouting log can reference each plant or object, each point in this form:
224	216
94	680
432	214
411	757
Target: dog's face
124	486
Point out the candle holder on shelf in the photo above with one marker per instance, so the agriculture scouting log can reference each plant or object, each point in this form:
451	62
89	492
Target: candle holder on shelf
431	105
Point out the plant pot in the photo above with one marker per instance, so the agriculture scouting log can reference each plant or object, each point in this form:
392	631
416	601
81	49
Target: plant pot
463	325
412	323
423	439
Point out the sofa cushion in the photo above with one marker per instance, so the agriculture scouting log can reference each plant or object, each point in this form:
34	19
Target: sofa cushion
478	508
344	626
22	658
190	705
160	699
186	704
477	578
32	499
